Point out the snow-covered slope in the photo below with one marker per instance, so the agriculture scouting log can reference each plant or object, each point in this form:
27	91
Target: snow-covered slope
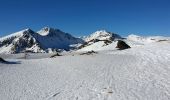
139	73
41	41
99	46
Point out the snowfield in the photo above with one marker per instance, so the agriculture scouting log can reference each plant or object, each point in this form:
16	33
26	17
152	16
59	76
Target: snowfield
139	73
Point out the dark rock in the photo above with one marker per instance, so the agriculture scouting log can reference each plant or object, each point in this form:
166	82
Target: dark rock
89	53
83	45
122	45
107	42
57	54
161	40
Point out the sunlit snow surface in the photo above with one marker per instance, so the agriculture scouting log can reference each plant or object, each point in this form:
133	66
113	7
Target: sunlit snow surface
139	73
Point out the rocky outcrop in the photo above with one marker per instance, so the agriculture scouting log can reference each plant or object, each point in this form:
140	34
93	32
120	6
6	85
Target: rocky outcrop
121	45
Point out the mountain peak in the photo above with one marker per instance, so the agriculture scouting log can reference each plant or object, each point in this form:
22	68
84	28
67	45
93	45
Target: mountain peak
18	34
28	30
102	35
49	31
100	31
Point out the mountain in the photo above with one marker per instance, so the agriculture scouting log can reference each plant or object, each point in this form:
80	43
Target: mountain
102	35
45	40
20	41
54	38
100	40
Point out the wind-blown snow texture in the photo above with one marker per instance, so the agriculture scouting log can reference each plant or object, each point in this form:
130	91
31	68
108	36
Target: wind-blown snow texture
139	73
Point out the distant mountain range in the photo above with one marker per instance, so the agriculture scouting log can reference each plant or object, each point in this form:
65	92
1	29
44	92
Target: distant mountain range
49	40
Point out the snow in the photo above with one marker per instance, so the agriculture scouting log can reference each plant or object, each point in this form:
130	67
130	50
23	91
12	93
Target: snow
139	73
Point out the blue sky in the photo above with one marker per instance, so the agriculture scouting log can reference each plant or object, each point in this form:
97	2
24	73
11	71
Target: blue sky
82	17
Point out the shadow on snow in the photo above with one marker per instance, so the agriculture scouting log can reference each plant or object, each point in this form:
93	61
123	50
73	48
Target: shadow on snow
9	62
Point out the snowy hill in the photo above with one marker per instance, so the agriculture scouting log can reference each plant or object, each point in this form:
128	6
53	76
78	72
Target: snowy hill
102	35
100	40
42	41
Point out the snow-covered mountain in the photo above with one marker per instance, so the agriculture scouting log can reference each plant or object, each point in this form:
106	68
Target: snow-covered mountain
20	41
55	38
100	40
102	35
45	40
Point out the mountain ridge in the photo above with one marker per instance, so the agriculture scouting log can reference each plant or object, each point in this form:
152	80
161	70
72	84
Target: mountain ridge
28	40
